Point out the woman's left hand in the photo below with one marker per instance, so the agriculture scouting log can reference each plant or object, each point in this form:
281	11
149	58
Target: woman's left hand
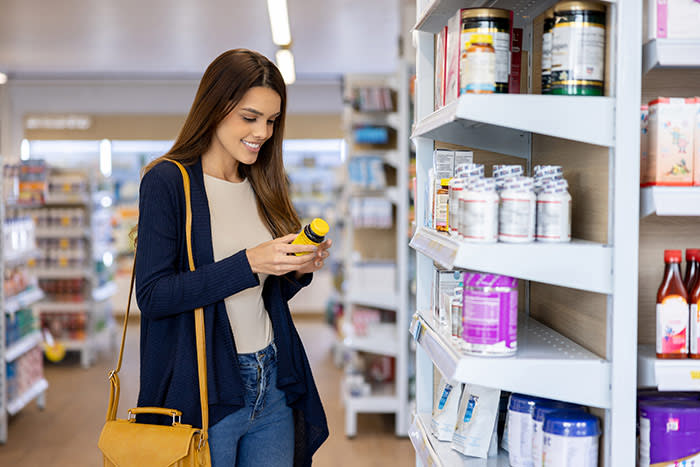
321	255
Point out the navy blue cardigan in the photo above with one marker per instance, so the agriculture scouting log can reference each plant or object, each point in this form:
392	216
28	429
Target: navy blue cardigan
167	292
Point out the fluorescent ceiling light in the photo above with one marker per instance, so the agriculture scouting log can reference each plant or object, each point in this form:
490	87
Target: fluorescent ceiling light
285	62
24	150
279	22
3	78
106	158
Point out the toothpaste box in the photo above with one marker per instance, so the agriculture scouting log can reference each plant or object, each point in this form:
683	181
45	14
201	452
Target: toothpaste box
671	135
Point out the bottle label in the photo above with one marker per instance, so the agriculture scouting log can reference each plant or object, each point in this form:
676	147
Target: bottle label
554	220
578	53
516	219
501	45
479	73
441	203
479	219
672	325
695	328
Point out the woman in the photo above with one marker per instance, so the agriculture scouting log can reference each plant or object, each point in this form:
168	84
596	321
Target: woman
263	404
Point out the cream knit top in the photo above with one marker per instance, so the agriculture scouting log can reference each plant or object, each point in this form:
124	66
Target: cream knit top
235	225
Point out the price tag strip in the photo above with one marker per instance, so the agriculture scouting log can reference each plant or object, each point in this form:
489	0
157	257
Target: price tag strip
438	246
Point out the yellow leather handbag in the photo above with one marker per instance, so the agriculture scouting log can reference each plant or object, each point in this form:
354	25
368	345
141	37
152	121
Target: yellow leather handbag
125	443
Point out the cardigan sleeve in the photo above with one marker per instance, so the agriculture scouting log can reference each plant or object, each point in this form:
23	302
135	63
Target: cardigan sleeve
161	289
290	285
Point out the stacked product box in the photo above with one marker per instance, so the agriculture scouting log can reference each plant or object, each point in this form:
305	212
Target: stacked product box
671	19
670	152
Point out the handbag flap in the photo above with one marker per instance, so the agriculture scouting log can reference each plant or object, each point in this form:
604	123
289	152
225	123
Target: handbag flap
129	444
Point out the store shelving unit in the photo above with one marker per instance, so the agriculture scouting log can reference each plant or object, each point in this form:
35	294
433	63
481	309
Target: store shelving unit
99	251
671	61
547	364
384	338
670	201
671	53
11	352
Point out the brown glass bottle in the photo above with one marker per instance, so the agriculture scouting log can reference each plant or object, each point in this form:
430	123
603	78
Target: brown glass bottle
692	268
672	310
694	300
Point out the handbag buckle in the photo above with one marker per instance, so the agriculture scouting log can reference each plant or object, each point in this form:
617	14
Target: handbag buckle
129	415
202	441
177	419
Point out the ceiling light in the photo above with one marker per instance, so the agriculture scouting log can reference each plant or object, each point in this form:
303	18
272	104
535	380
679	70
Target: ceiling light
279	21
3	78
285	62
106	158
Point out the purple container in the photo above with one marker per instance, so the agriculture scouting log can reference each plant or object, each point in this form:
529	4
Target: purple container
490	314
669	432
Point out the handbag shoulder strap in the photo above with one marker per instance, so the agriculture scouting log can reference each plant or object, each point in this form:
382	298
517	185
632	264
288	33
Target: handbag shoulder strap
199	326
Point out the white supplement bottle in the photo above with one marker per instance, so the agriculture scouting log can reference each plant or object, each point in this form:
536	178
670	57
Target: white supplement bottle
455	187
478	204
554	212
517	211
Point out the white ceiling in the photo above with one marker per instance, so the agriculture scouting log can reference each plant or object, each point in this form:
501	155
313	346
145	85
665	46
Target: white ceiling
179	38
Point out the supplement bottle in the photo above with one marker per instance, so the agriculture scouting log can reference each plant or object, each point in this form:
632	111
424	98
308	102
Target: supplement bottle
578	49
479	65
497	23
554	212
455	188
570	435
516	216
672	310
478	206
312	234
691	268
694	300
519	441
547	51
442	198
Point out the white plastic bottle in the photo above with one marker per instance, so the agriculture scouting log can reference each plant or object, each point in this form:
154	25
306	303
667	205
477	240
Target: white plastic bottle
554	212
479	211
517	211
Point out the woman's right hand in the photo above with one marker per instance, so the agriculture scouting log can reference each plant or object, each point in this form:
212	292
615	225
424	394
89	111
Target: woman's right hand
276	256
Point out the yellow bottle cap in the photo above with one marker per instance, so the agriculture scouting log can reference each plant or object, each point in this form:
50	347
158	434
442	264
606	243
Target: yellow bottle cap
481	39
319	227
445	181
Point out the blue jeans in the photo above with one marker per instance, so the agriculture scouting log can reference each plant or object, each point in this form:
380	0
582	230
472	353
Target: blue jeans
262	432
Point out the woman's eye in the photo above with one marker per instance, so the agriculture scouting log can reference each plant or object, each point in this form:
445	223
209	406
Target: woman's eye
249	119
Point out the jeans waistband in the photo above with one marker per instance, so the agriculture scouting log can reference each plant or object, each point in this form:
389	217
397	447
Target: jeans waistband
262	357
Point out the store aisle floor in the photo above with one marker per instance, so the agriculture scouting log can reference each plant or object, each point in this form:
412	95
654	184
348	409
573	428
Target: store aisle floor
66	432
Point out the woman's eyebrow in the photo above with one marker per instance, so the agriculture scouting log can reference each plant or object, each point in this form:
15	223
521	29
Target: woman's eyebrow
257	112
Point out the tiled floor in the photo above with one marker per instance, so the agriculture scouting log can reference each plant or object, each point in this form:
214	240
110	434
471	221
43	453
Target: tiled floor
66	432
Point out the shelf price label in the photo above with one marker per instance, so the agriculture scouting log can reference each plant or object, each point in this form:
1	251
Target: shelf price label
681	376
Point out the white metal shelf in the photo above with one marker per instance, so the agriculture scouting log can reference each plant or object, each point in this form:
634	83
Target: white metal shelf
373	299
671	53
104	292
61	199
436	14
579	264
20	402
23	256
381	339
667	375
62	232
670	201
502	122
547	364
23	299
62	273
440	454
382	400
22	346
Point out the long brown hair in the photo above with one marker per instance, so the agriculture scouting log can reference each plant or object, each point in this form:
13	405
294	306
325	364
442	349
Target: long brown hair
222	87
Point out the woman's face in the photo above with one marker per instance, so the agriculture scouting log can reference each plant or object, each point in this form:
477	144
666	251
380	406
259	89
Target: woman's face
244	130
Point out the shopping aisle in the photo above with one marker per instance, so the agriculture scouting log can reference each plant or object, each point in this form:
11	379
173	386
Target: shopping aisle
66	433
